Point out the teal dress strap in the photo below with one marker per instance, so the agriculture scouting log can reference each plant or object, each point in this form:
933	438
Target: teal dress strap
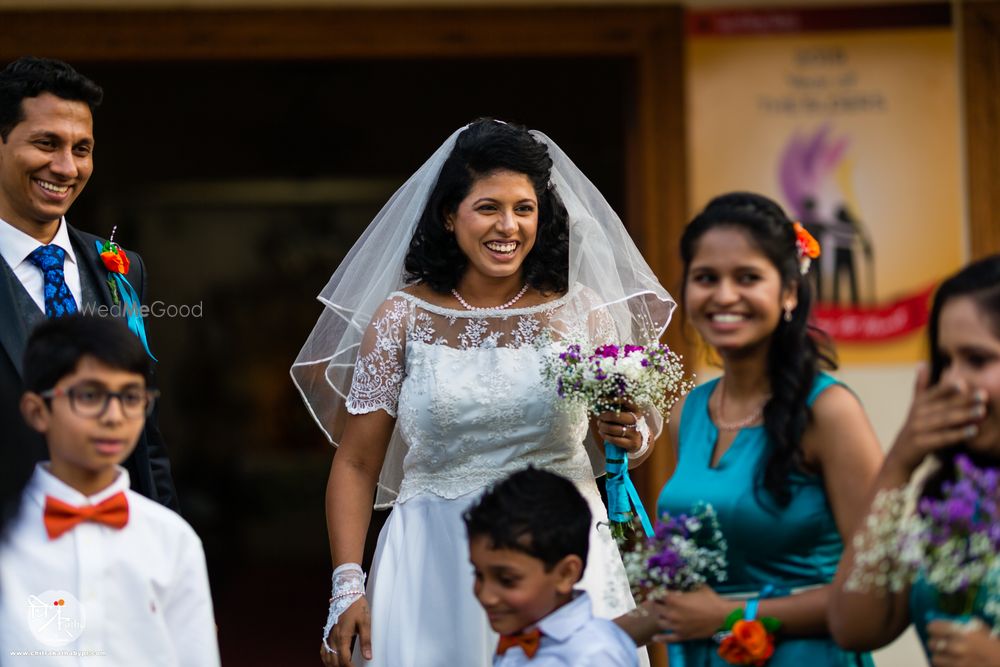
823	382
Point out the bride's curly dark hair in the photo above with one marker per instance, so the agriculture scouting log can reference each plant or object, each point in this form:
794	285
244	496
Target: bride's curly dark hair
485	147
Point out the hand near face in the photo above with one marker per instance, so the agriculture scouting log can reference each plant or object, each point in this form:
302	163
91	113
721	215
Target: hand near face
940	416
956	645
686	616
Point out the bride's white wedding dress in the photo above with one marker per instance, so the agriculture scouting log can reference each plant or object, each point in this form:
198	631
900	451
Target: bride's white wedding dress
473	404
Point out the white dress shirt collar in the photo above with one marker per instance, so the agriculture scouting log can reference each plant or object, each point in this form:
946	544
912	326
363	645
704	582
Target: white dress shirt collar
567	619
43	483
15	245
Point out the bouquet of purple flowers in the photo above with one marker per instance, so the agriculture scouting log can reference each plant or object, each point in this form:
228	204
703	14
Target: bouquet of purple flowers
650	376
951	543
646	375
685	551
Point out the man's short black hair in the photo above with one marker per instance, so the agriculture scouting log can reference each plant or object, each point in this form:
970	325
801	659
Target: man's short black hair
57	345
29	76
536	512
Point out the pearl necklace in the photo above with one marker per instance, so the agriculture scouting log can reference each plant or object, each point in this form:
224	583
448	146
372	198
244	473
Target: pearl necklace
510	303
741	423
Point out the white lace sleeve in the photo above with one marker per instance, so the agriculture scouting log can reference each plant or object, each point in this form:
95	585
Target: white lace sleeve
381	367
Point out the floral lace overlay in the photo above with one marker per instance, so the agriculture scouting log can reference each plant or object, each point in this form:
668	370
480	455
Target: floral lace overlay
469	393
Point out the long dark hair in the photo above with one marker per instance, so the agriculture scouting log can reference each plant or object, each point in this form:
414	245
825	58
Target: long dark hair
485	147
979	281
797	351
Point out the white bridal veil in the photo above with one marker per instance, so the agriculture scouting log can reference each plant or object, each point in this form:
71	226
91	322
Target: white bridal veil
602	259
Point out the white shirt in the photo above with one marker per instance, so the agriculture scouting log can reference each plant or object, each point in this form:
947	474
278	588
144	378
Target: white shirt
15	246
143	589
572	637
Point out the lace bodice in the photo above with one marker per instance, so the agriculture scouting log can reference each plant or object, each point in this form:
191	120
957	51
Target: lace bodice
469	391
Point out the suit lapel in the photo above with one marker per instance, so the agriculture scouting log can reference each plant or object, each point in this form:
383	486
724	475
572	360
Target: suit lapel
13	333
89	260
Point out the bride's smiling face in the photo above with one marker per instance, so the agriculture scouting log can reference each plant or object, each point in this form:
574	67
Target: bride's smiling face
496	224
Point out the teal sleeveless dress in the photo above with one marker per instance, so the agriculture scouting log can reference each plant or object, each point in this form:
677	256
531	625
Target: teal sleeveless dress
925	607
784	547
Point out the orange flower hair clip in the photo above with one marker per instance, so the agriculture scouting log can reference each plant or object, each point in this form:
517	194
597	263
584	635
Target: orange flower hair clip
806	246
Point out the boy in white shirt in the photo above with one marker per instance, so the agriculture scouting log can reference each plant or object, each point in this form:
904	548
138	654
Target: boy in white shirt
528	540
92	573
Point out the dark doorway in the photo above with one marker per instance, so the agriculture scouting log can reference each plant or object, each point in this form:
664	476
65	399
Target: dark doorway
243	185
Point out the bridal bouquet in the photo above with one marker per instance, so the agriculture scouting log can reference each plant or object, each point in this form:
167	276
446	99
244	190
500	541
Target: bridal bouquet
650	376
952	543
599	380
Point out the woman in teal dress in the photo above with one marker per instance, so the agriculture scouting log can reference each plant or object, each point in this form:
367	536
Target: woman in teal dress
955	410
780	449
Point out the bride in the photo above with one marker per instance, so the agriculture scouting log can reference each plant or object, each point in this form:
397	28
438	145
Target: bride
426	368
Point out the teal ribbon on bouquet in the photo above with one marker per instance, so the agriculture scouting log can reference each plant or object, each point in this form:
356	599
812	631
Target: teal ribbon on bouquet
130	303
623	499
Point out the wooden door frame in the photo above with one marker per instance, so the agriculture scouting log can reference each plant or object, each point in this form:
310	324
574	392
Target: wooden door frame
980	31
651	38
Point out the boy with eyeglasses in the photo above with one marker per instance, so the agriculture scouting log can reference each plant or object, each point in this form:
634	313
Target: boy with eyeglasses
90	571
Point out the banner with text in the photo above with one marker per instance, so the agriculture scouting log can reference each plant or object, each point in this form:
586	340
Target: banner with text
850	119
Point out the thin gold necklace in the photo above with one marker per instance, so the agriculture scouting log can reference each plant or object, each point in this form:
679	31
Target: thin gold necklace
741	423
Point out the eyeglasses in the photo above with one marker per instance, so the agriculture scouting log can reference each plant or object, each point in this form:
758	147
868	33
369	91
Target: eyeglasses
90	400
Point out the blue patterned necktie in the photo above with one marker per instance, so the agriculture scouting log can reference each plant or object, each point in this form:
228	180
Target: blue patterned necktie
59	300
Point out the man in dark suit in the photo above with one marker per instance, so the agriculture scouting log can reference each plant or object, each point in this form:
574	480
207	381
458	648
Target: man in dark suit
48	267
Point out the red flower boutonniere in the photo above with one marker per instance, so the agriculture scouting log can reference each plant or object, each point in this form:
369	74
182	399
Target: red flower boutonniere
116	261
743	642
114	258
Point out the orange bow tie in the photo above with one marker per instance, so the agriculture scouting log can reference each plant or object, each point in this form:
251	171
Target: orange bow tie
60	516
528	641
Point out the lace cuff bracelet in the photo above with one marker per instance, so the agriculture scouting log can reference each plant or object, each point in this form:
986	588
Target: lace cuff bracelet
348	588
642	426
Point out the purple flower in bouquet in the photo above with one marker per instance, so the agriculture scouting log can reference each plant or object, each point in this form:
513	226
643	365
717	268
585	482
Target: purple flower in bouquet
953	541
684	552
647	375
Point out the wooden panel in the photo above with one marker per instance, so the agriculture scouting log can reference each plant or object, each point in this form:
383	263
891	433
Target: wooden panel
981	69
305	33
658	192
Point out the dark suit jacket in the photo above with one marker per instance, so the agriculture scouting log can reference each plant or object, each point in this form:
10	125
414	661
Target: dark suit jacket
148	466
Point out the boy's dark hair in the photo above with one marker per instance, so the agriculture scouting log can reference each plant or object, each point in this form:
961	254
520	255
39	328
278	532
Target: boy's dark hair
56	346
535	512
30	77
